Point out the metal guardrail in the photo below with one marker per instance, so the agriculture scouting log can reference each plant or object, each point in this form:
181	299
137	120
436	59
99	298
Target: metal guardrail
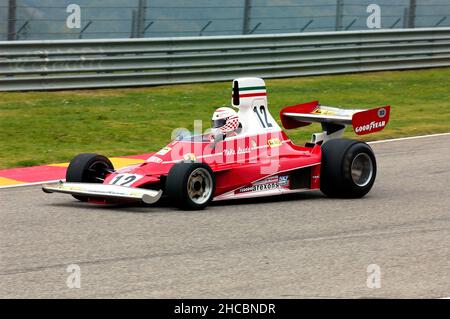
50	65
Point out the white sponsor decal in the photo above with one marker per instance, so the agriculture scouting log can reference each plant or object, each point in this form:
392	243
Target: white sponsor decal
283	180
240	150
269	183
264	187
190	157
370	126
164	151
155	159
261	187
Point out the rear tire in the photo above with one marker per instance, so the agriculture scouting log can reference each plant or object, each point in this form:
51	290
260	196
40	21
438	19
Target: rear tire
190	185
88	168
348	168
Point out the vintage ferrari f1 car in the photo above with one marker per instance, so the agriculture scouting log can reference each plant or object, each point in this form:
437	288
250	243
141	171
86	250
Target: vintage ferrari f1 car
259	160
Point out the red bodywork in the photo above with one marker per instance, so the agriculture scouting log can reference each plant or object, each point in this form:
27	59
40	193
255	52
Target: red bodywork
237	163
255	165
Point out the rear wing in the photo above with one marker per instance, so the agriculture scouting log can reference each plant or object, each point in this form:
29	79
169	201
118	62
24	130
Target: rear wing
334	119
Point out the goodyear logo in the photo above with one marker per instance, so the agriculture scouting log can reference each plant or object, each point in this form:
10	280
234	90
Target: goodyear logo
369	127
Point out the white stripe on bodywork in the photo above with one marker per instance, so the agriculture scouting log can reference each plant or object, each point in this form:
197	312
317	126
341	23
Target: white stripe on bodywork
272	192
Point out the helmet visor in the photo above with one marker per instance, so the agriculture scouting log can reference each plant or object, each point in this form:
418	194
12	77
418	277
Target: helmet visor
218	123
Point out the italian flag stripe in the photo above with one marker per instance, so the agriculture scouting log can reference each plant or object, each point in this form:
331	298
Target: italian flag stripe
252	95
253	88
252	91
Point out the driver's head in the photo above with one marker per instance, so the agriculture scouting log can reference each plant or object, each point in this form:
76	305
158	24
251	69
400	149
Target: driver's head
225	120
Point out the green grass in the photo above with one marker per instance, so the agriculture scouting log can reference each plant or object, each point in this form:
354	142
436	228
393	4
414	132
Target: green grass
49	127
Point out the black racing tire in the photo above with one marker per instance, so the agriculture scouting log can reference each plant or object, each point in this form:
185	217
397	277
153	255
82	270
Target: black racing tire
190	185
88	168
348	168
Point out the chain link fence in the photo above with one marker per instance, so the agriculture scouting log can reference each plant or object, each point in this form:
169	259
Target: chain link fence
94	19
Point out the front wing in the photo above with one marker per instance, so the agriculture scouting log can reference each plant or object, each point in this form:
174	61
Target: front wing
105	191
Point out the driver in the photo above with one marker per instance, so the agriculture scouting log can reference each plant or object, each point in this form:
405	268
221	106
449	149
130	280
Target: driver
225	122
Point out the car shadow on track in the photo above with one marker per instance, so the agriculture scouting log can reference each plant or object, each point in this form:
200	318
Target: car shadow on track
165	206
310	195
133	208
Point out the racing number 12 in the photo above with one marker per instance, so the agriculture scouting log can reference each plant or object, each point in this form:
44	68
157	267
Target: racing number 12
126	182
262	112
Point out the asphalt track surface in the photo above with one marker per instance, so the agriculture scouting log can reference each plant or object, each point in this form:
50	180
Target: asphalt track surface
302	246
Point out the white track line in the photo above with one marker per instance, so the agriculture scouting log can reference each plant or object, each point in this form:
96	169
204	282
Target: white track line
30	184
373	142
408	138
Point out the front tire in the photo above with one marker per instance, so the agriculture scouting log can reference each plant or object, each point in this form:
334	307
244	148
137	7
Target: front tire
348	168
190	185
88	168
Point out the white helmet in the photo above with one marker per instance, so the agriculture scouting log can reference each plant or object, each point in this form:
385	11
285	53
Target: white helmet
225	120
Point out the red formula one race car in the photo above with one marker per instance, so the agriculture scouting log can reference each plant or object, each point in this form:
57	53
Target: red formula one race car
246	154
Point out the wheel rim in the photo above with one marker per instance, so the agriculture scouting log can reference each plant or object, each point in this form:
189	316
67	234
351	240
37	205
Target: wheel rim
96	172
362	169
199	186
